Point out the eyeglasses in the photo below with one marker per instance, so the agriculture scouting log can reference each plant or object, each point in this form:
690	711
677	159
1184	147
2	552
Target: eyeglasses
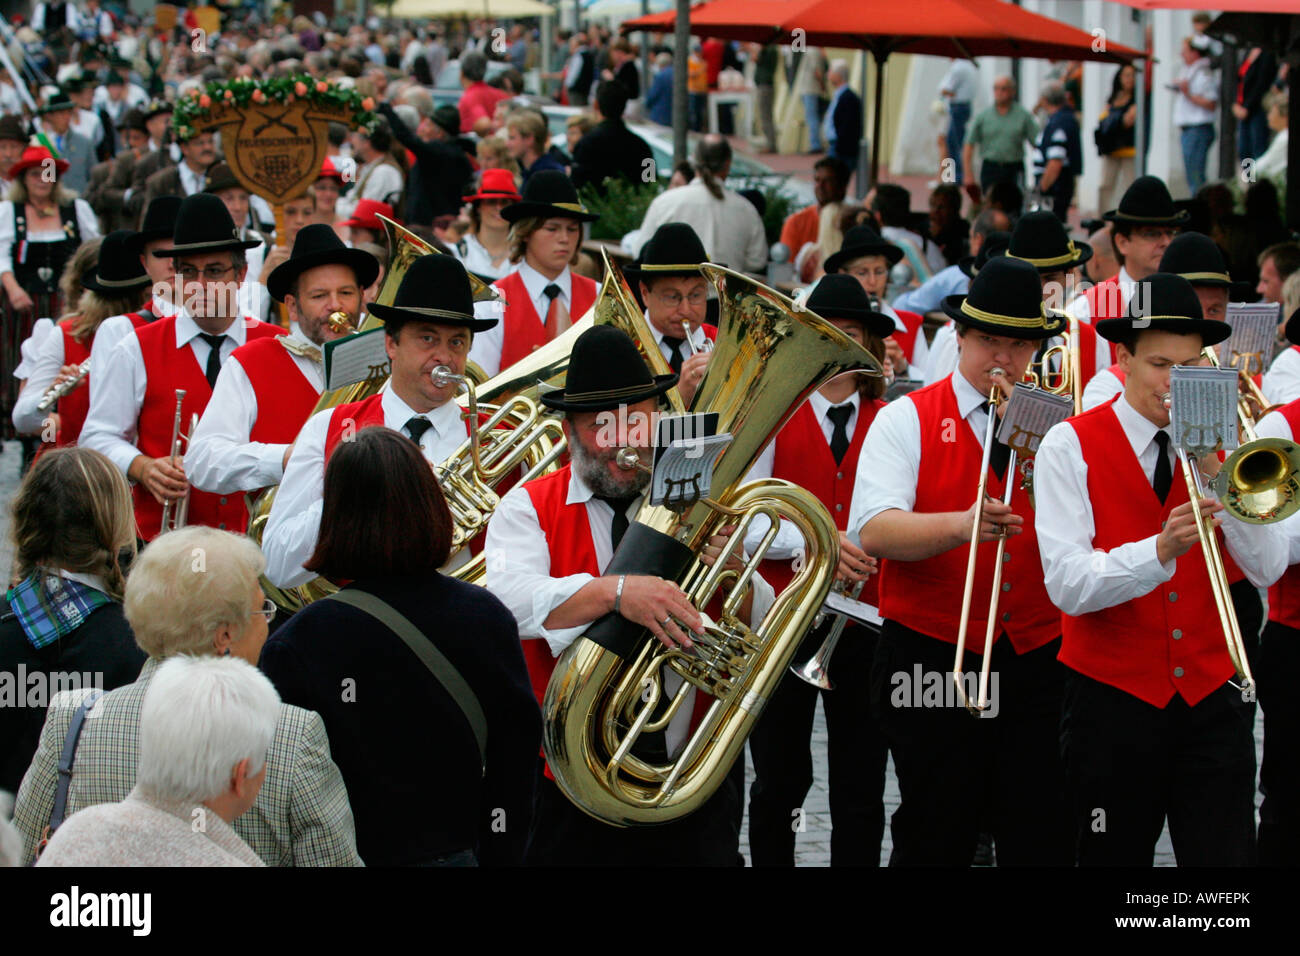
673	299
214	273
1155	233
267	611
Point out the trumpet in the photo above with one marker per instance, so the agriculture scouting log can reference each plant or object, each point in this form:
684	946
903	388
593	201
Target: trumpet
59	389
814	670
175	512
981	704
1070	380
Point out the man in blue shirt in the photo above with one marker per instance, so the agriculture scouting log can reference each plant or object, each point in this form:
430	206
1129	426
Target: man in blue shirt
1058	155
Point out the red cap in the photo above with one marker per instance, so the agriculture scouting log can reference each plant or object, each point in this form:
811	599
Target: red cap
496	184
366	213
36	156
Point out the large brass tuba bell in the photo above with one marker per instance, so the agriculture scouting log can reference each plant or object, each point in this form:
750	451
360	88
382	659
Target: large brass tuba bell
769	357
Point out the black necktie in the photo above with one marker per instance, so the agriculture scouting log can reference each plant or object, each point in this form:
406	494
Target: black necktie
1000	456
417	426
214	356
619	527
675	356
1164	475
839	416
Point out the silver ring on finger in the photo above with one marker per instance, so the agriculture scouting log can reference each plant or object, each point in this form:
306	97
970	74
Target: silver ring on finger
665	622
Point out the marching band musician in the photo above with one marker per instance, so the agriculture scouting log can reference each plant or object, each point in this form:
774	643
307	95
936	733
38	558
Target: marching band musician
675	294
115	283
917	470
818	449
547	544
269	388
543	295
1279	770
431	323
1151	728
133	408
868	258
156	233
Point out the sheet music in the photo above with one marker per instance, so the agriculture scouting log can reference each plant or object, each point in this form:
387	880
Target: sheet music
684	472
688	427
853	609
1030	413
1254	328
1203	408
355	358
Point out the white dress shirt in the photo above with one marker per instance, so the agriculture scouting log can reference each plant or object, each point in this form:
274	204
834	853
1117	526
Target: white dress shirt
294	522
488	345
730	228
220	457
1273	425
479	261
890	461
1281	383
116	398
960	80
519	573
31	346
1104	386
191	182
1081	307
944	351
115	328
697	337
376	179
1082	579
86	220
1202	83
44	369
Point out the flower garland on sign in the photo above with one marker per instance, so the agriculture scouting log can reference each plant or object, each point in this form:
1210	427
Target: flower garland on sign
192	110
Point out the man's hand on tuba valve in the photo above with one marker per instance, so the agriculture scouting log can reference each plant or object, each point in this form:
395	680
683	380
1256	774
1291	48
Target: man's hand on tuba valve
661	607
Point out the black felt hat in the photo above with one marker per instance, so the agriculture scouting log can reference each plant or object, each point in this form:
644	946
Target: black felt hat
14	127
203	224
1006	298
840	296
1197	258
56	103
118	270
606	371
435	289
133	119
548	194
319	245
1041	240
674	250
1166	302
220	176
1293	328
159	221
994	244
1147	203
155	107
863	241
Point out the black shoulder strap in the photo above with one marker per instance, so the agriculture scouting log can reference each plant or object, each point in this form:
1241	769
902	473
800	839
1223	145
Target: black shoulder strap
443	671
66	760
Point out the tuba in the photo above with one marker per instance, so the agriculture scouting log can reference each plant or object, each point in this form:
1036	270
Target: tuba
606	687
404	248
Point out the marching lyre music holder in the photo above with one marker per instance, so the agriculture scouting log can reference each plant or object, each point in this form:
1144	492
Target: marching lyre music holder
1254	328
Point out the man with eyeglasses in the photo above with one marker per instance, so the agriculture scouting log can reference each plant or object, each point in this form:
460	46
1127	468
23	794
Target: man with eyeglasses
133	408
676	297
1141	230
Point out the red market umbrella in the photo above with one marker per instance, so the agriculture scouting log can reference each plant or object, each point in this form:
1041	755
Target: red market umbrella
1222	6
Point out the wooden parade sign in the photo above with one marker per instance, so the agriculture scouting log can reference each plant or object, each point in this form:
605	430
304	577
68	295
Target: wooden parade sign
274	133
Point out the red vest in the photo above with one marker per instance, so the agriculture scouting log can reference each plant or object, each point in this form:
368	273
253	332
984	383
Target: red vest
168	368
1136	646
912	324
1090	344
523	329
138	319
353	417
285	398
72	407
1284	596
1106	301
804	456
926	595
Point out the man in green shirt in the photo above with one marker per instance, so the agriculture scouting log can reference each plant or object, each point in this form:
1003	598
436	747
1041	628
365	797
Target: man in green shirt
1000	132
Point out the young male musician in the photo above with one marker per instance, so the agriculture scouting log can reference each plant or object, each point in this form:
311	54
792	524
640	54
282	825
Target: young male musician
547	545
818	449
1278	657
133	406
1151	728
269	388
543	296
676	295
917	476
431	323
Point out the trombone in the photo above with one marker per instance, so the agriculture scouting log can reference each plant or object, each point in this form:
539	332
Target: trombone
980	705
175	512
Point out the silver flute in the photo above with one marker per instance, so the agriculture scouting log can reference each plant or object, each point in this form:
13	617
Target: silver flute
57	391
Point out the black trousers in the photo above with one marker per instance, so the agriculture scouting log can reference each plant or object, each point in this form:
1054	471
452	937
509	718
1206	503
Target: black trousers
1279	772
1130	766
993	172
856	750
958	774
563	835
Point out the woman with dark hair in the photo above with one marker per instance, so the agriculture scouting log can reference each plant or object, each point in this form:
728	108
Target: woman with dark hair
405	741
73	531
1116	137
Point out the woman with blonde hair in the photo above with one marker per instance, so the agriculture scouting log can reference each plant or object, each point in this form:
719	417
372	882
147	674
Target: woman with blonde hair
116	284
492	153
73	533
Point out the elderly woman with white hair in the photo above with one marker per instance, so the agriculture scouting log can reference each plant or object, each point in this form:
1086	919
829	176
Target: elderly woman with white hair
195	591
205	729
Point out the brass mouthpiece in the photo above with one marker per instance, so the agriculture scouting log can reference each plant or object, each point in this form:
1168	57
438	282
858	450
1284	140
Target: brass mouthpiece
629	460
443	376
1167	400
340	322
997	372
